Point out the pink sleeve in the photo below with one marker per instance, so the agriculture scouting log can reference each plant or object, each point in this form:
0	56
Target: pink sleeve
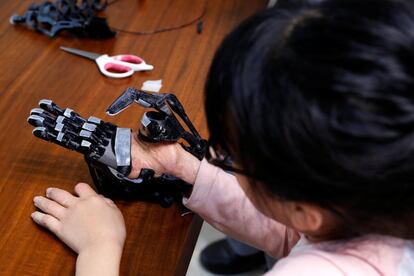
219	199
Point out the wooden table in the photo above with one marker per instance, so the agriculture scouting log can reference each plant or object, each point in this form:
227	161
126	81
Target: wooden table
159	241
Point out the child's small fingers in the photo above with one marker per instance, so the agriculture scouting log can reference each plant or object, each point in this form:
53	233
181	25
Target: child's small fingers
49	206
62	197
84	190
46	221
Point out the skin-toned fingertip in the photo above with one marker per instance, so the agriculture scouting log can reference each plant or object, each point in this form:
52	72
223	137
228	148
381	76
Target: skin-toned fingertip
36	199
83	189
49	190
80	186
35	216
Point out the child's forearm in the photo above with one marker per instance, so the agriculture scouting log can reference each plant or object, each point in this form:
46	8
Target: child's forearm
104	261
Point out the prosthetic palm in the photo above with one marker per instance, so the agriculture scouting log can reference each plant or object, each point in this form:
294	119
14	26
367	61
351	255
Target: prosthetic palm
107	148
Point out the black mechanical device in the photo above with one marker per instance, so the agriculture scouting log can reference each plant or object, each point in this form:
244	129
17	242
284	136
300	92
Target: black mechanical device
107	147
78	17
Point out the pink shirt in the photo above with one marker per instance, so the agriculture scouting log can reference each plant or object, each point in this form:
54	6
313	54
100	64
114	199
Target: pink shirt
219	199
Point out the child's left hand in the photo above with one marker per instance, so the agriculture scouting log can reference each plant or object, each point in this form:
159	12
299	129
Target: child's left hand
85	222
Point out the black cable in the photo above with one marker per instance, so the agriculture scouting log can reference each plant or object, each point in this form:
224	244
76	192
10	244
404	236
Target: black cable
198	20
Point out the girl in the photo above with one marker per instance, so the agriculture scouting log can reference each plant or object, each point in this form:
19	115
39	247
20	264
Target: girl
313	105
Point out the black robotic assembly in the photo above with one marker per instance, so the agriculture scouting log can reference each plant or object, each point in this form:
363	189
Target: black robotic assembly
107	147
66	15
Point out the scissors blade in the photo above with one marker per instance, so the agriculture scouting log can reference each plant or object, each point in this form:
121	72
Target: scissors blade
81	53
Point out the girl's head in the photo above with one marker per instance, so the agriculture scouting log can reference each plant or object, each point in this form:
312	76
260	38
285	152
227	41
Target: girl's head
315	104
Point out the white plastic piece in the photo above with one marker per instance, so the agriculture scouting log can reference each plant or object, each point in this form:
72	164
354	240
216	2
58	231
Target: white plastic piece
12	19
145	121
152	85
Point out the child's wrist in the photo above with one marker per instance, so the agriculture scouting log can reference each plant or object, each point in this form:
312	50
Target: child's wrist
100	259
106	246
186	165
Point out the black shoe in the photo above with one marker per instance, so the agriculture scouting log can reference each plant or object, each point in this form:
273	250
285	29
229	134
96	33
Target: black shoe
220	258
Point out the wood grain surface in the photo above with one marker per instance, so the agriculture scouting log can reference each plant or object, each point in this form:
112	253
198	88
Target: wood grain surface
159	241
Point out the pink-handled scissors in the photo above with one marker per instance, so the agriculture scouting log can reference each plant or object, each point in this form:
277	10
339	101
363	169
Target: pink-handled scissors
120	66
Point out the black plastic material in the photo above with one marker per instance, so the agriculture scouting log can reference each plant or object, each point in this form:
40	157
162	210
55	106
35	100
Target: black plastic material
164	190
77	17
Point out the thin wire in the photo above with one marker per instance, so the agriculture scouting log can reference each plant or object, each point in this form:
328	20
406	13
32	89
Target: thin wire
198	20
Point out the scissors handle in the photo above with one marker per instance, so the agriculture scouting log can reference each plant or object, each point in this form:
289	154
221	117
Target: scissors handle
135	62
129	58
113	68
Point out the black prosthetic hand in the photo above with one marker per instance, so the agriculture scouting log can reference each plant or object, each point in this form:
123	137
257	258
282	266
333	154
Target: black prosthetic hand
107	148
96	139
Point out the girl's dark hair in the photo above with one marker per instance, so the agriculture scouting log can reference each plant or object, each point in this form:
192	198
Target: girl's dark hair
316	103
